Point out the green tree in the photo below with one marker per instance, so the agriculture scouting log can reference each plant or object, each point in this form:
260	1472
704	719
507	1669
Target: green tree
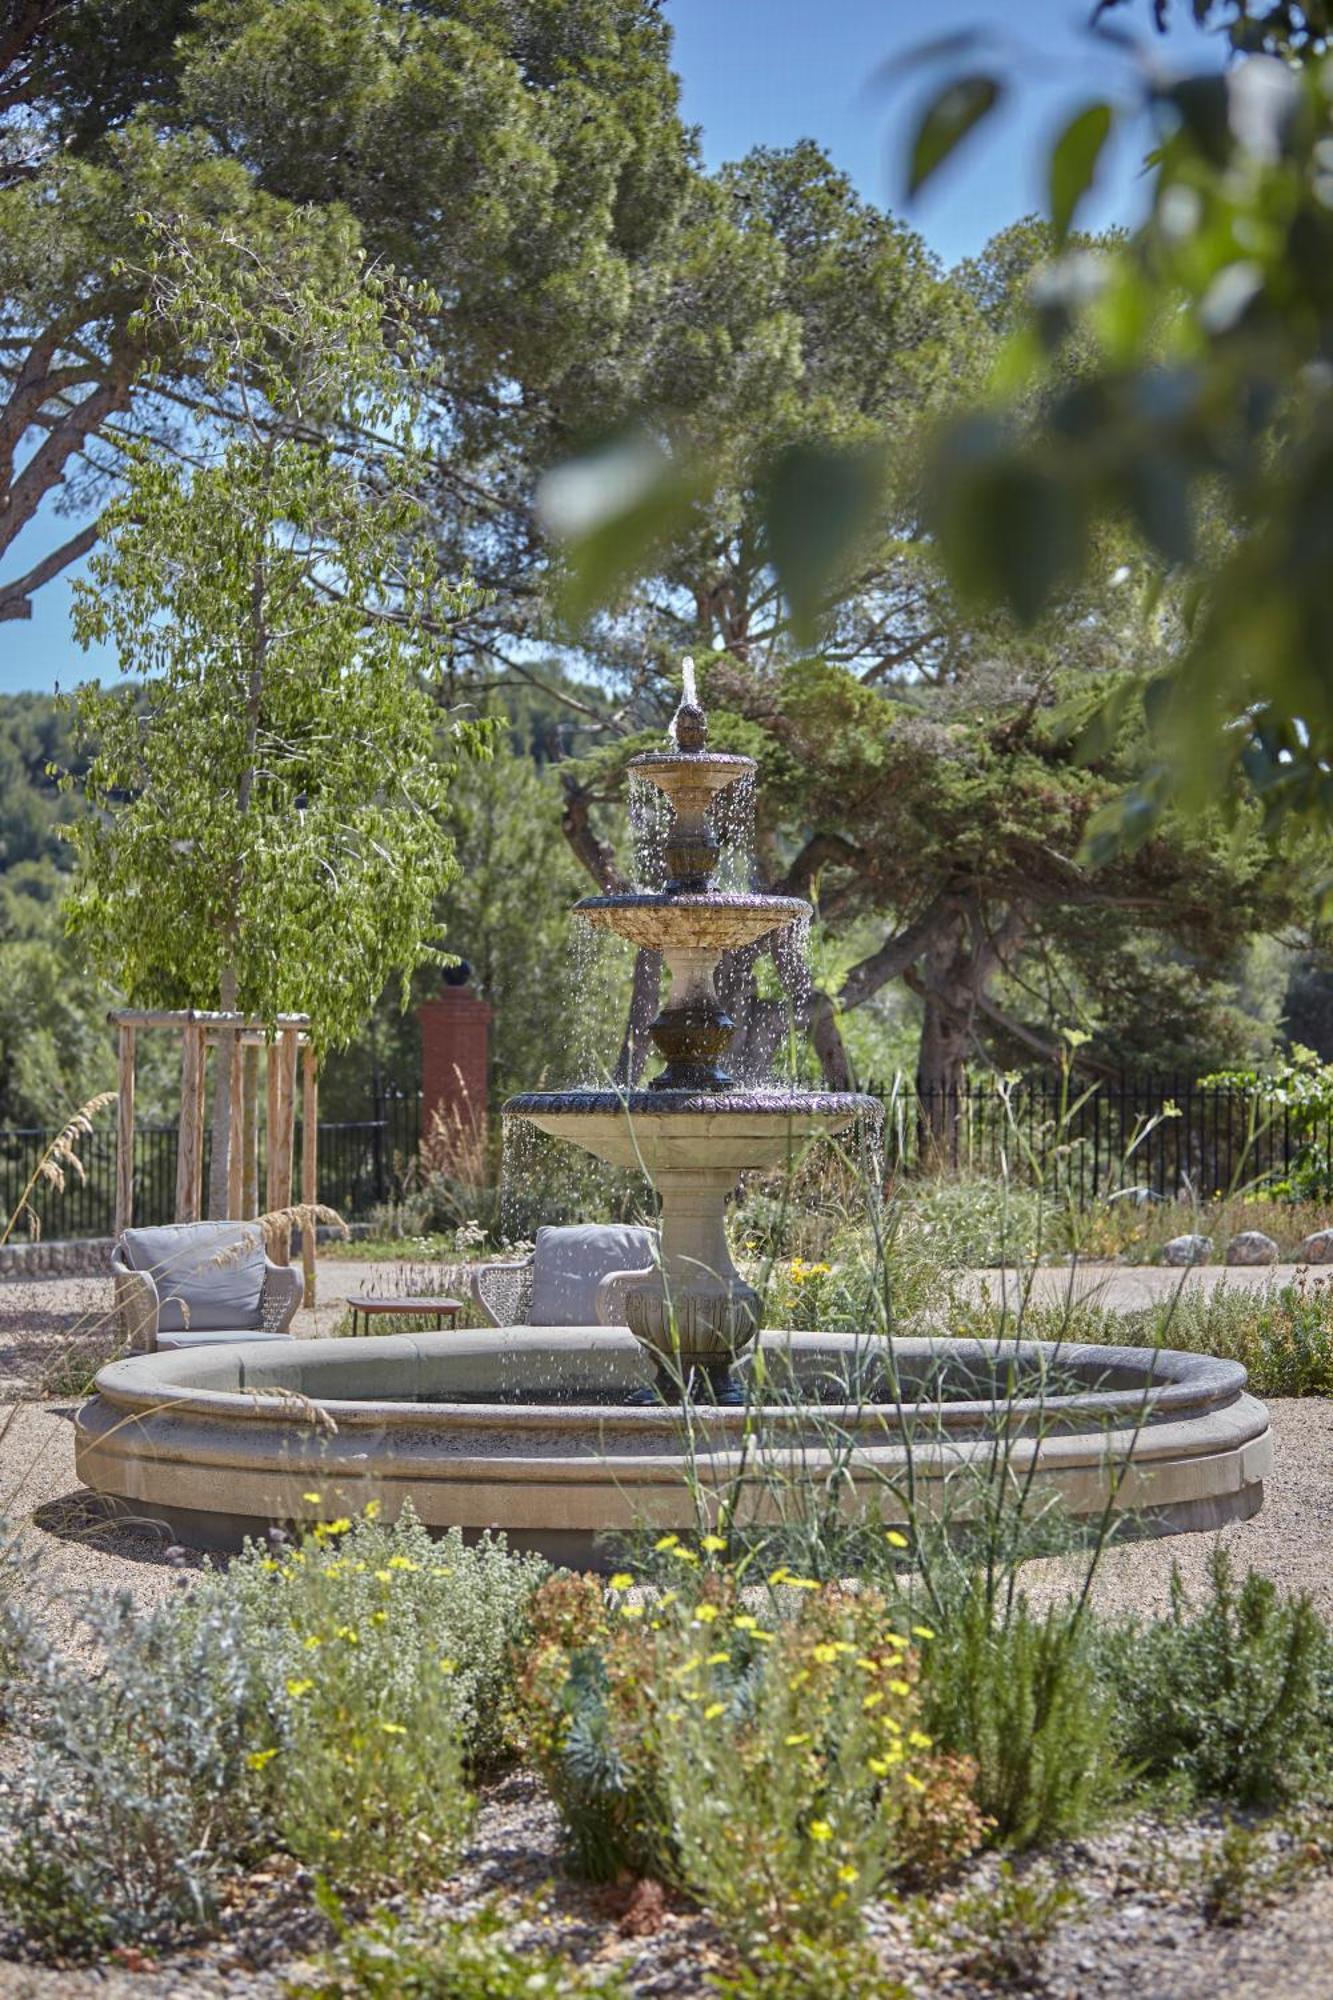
268	834
1201	421
524	160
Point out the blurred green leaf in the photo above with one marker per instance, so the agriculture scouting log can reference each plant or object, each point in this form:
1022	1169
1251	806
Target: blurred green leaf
1204	106
1073	163
612	511
1157	488
1010	531
818	504
947	120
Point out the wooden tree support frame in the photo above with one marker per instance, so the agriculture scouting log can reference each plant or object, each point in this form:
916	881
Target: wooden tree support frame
287	1044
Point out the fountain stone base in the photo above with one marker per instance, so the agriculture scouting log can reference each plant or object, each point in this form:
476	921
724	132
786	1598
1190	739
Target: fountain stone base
539	1432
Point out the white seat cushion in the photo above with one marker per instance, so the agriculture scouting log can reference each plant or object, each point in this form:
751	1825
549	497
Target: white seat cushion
209	1275
172	1342
568	1264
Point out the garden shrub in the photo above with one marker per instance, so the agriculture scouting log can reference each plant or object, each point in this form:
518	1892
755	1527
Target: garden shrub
998	1932
964	1224
1018	1695
772	1770
413	1601
467	1958
140	1795
1233	1698
331	1697
1283	1337
789	1783
809	1969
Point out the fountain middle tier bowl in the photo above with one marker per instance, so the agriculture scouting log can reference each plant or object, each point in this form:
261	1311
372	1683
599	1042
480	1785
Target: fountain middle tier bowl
710	921
722	1132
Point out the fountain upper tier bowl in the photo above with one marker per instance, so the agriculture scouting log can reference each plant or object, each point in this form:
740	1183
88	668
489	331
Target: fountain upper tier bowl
711	921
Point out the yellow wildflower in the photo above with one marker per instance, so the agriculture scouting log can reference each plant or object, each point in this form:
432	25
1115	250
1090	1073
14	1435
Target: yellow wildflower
825	1655
313	1498
403	1562
393	1729
713	1710
820	1830
372	1510
849	1874
383	1576
705	1614
917	1784
715	1544
717	1659
920	1741
622	1580
258	1758
900	1687
666	1542
801	1736
297	1688
684	1555
894	1539
447	1666
632	1611
922	1632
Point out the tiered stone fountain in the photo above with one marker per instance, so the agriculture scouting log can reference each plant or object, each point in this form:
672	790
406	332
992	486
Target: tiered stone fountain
557	1435
691	1131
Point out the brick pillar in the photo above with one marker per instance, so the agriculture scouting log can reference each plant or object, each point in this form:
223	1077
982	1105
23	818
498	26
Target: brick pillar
455	1041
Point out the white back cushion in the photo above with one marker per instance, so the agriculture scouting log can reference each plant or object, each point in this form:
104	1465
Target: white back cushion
568	1265
215	1270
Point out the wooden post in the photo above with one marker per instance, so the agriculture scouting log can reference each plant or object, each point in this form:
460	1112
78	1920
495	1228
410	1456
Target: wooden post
235	1131
271	1069
282	1133
190	1145
124	1129
250	1132
309	1165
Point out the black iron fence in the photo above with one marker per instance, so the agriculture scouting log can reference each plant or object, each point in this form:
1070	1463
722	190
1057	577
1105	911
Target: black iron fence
1166	1135
360	1163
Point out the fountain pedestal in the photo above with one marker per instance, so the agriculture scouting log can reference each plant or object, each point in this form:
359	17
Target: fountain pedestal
696	1312
691	1131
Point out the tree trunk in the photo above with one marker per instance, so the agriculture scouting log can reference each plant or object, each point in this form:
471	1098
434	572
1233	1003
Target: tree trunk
944	984
955	969
645	998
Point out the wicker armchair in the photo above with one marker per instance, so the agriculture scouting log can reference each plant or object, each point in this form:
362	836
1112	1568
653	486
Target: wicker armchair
503	1292
184	1281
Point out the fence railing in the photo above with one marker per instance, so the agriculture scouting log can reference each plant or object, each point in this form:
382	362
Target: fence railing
360	1163
1167	1135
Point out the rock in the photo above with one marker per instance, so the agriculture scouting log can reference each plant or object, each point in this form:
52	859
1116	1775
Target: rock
1187	1250
1317	1249
1251	1246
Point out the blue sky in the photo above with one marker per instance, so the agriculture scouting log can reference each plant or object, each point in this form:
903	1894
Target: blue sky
769	72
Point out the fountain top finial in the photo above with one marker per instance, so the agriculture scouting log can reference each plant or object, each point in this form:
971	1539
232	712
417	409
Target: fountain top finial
689	725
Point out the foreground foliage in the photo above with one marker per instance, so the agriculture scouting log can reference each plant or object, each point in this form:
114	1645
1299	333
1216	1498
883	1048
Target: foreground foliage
307	1699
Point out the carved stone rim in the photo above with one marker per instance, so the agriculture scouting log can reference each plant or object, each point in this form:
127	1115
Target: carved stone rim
761	1103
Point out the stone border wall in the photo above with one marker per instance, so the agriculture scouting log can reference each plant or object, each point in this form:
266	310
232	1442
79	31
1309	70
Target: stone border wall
90	1256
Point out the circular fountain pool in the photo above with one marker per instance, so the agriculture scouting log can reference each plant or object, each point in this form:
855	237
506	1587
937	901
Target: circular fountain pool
526	1429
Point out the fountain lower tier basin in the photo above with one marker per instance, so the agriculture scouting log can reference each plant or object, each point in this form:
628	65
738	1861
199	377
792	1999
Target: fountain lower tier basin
224	1442
712	1132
